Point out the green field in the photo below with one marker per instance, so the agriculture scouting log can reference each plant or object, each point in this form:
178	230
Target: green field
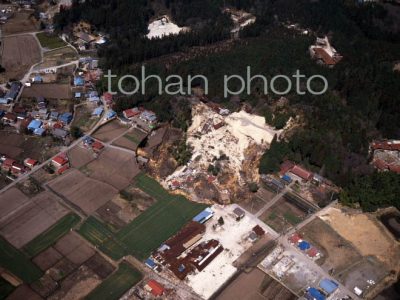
18	263
50	41
101	236
50	236
146	232
5	288
117	284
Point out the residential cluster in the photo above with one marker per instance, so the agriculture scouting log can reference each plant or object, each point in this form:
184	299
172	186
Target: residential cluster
386	155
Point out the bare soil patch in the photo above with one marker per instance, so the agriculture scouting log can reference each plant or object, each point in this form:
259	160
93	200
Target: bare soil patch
338	254
48	258
114	167
110	131
77	285
88	194
61	269
48	91
100	266
23	292
74	248
256	285
23	21
367	234
7	206
19	53
83	117
29	221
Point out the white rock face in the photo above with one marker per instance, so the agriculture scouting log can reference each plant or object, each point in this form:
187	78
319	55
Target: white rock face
163	27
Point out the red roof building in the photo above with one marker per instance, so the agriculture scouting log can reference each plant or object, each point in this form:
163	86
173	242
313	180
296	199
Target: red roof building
286	166
132	112
7	164
155	288
62	169
294	238
258	230
97	146
302	173
380	164
328	60
29	162
312	252
59	161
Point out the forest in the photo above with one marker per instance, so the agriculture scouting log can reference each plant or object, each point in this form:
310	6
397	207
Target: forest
362	103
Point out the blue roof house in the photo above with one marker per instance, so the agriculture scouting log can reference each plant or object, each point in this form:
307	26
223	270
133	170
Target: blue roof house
98	111
35	124
79	81
315	294
39	131
204	216
66	118
303	246
111	114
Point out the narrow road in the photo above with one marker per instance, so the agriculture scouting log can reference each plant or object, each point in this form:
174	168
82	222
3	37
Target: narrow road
273	200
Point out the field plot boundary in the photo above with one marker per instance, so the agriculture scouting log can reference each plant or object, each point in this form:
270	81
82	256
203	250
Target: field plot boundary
50	236
18	263
117	283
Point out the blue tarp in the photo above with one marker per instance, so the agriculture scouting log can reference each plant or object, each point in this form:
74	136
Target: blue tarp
35	124
79	81
304	245
2	113
328	286
111	114
287	178
315	294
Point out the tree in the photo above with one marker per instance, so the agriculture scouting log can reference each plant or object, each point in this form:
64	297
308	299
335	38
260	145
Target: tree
76	132
221	221
253	187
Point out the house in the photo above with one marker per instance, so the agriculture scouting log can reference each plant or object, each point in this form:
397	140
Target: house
148	116
10	118
12	94
17	169
328	286
324	53
20	112
258	230
35	124
111	114
78	95
30	163
130	113
98	111
97	146
239	213
155	288
79	81
37	79
204	216
54	115
60	133
66	118
39	131
93	96
88	141
302	173
4	101
7	164
59	161
85	38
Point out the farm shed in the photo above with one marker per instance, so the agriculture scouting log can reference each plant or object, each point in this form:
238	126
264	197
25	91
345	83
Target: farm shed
35	124
204	216
328	286
66	118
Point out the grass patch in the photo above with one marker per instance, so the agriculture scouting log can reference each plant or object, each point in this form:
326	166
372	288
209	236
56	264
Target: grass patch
50	41
272	216
102	236
292	219
18	263
117	284
50	236
132	138
5	288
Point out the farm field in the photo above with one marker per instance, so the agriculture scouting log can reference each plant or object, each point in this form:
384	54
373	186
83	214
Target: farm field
147	231
57	57
48	91
19	146
50	41
109	131
114	167
31	219
23	21
283	215
17	263
131	140
79	156
103	237
85	193
19	54
117	284
50	236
